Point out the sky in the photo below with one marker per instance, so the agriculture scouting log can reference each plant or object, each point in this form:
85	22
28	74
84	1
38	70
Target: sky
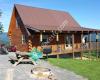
85	12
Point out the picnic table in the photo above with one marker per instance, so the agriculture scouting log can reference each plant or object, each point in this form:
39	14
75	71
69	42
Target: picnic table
32	56
21	57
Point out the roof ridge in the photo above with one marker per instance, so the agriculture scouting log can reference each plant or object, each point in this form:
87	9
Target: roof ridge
41	8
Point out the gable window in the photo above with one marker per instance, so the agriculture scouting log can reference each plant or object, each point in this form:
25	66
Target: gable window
23	39
16	24
17	21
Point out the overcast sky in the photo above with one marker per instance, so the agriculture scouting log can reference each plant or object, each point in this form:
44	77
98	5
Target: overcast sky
85	12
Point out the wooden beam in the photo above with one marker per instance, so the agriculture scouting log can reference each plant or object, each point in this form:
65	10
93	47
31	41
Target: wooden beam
81	45
57	37
57	41
58	56
41	37
89	45
73	45
97	45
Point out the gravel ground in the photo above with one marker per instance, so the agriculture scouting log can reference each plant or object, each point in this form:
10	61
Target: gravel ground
22	71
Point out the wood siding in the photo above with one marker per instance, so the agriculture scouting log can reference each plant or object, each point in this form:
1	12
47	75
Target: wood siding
16	33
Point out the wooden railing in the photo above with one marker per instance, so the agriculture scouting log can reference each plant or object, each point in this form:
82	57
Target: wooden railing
78	47
88	46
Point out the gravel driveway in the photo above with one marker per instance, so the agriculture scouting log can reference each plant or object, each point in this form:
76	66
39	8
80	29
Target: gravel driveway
22	71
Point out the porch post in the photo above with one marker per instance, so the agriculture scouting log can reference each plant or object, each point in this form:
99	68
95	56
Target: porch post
57	39
41	37
89	45
81	45
73	45
97	45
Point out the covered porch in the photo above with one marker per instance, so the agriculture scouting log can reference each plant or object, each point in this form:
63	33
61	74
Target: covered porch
64	42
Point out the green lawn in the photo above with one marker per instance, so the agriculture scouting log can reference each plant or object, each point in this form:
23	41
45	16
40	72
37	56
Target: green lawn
88	69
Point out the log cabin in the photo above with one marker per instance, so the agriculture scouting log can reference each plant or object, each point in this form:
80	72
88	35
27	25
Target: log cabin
32	27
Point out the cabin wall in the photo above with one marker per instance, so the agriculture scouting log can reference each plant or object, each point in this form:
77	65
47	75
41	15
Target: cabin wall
62	41
16	34
35	38
16	39
77	40
53	42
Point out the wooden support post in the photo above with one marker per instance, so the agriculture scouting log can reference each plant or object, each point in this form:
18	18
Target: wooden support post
73	45
41	37
97	45
90	46
57	39
81	45
57	56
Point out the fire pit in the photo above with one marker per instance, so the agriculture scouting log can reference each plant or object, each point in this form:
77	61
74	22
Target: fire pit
42	73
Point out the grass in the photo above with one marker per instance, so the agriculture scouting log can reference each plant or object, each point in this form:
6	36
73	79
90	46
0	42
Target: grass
88	69
93	53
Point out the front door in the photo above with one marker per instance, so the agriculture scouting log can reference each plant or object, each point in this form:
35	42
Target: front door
68	41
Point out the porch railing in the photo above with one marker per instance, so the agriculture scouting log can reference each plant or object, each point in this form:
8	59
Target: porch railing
78	47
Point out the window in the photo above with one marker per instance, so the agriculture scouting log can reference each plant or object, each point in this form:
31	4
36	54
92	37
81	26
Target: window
45	38
16	24
17	21
23	39
68	40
